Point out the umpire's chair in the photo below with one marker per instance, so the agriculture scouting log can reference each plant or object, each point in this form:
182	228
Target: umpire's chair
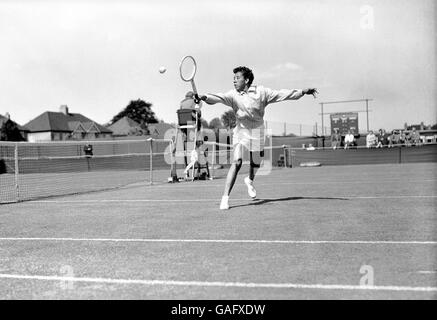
189	118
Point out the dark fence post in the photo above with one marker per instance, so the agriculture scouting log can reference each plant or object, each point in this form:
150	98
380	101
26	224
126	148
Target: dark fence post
2	166
285	156
400	154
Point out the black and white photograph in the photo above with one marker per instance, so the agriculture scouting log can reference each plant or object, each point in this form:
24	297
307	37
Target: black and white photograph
218	155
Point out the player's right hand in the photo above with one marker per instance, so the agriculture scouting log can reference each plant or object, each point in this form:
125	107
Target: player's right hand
197	99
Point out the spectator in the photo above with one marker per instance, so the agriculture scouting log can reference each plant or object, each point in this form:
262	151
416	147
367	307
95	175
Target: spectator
385	138
371	140
335	139
382	139
394	139
407	138
415	138
402	137
88	150
349	140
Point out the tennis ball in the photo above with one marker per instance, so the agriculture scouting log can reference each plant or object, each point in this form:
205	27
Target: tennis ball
162	69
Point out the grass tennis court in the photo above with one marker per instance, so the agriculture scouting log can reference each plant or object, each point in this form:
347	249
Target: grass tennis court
308	236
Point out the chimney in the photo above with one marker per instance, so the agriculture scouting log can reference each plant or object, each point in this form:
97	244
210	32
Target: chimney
422	126
64	109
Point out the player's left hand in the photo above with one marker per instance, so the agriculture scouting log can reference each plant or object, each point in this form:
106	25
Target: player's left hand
312	91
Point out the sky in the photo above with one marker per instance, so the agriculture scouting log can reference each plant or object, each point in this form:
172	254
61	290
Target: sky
97	56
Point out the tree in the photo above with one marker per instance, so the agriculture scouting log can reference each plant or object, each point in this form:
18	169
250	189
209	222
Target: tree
9	131
139	111
229	120
216	124
204	123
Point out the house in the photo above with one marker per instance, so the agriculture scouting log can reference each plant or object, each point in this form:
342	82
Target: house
158	130
22	129
125	127
63	125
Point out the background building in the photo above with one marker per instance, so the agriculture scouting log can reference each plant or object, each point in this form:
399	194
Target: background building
63	125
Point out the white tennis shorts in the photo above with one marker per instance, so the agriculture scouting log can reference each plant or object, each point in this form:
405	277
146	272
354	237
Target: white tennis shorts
251	139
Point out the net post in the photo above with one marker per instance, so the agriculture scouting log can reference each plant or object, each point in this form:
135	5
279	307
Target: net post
151	161
171	158
323	127
399	154
292	157
17	184
367	114
213	161
285	155
173	171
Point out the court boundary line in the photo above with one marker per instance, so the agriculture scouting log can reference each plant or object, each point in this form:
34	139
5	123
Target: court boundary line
150	282
240	241
217	199
270	183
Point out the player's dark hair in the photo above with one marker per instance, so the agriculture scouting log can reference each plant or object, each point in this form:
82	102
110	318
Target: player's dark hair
246	72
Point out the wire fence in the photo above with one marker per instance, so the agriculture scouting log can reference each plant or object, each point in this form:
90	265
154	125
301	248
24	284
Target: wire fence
293	129
395	154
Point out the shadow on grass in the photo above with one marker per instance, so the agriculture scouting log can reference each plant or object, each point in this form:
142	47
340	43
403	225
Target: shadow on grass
258	202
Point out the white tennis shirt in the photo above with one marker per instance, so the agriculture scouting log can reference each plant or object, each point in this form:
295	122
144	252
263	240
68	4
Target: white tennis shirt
249	106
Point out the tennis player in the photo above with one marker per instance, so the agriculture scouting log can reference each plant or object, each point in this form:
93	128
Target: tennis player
249	103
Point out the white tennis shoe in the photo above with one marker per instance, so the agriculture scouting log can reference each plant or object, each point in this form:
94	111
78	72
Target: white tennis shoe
224	204
250	188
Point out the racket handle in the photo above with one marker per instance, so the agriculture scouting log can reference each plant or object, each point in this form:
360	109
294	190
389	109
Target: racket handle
194	86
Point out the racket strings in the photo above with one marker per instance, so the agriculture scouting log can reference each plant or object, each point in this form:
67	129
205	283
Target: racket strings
188	68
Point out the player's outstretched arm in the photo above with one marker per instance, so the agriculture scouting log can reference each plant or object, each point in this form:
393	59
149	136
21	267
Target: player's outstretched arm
225	98
273	96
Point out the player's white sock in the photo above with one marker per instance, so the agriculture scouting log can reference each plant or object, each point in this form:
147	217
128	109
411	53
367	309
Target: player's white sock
250	188
224	204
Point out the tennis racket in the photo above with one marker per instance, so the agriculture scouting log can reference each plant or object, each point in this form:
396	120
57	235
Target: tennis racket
188	68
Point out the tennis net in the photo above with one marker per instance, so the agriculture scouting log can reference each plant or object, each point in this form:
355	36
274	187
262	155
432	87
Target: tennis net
36	170
30	171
